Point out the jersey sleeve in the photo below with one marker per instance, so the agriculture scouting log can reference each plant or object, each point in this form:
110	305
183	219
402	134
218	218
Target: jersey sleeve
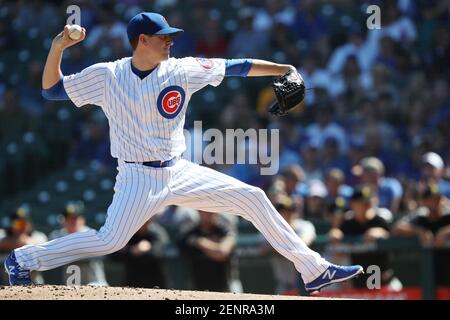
87	86
201	72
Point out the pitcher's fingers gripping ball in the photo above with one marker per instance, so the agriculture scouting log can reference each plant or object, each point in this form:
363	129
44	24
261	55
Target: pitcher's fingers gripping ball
71	35
75	32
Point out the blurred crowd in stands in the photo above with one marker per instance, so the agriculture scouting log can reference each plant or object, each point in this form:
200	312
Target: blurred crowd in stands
370	155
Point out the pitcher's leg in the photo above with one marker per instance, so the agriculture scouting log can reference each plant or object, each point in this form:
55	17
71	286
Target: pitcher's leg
203	188
137	197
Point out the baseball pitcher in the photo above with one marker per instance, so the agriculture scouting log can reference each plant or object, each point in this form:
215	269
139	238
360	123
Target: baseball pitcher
145	98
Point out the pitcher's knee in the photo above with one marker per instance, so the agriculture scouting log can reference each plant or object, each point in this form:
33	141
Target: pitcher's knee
258	192
114	247
110	242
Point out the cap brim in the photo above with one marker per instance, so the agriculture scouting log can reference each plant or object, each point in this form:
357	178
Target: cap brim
170	30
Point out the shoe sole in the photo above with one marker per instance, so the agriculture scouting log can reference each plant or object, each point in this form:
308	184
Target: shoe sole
360	271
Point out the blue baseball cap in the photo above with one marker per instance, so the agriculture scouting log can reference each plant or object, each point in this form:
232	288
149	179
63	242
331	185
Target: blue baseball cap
149	23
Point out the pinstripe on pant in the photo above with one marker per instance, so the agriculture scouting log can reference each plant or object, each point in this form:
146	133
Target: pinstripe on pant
140	192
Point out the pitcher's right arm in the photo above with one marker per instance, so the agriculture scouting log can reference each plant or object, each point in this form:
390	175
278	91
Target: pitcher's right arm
52	75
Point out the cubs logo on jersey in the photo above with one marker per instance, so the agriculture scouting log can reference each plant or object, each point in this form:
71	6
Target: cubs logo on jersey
170	101
205	63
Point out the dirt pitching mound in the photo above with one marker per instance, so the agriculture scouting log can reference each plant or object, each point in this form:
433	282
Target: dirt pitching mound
46	292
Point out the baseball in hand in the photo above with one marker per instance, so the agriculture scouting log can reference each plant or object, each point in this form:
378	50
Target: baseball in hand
75	32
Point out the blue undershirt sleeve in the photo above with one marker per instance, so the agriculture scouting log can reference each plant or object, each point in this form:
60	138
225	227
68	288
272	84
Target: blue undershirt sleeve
237	67
57	92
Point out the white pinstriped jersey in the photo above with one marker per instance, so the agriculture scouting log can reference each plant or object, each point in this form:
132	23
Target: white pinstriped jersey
146	120
146	116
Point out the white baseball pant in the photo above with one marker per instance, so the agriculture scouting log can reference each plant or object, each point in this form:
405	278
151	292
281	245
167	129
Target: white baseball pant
142	191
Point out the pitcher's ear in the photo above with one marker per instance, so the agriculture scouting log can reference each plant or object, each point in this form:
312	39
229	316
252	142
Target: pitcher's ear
144	39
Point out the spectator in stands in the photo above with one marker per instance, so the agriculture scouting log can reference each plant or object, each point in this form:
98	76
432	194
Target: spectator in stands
37	16
325	127
288	280
351	81
20	232
310	25
186	42
431	224
178	219
376	136
438	54
355	154
14	121
109	27
92	270
338	195
283	41
30	91
293	177
368	222
411	168
415	127
209	249
354	46
314	76
20	151
311	160
143	257
331	157
94	143
290	139
76	61
118	49
399	28
270	13
389	190
315	203
245	41
277	186
387	55
213	43
433	169
335	185
381	80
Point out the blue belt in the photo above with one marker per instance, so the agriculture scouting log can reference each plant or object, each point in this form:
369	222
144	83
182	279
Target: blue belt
157	164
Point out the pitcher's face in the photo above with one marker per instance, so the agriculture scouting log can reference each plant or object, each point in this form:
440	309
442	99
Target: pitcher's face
158	46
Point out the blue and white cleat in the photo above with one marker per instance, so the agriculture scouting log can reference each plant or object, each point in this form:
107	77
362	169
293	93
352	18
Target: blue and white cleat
334	274
16	274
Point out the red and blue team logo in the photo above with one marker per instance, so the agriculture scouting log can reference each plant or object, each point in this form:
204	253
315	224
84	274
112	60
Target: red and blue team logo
205	63
170	101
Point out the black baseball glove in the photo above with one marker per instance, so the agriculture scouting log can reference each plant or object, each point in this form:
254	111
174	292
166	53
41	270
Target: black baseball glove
289	91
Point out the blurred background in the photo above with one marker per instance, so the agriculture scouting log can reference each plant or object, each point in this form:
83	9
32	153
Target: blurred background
364	172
